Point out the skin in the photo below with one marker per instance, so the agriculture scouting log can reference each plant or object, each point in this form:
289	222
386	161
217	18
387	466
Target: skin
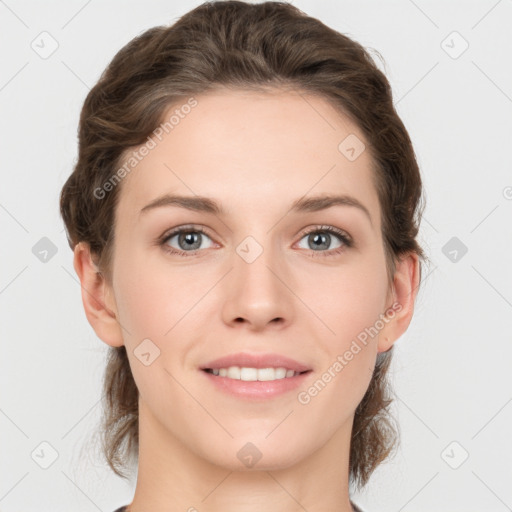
254	153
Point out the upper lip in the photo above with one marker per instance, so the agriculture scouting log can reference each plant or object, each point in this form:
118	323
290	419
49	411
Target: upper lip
246	360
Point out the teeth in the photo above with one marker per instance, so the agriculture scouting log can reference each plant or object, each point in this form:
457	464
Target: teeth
253	374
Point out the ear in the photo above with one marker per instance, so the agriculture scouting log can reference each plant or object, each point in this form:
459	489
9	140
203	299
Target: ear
97	297
403	296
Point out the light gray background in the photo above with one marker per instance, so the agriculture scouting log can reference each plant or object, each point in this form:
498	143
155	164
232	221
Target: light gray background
452	369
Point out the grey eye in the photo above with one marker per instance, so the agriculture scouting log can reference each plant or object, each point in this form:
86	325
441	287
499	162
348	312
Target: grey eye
188	240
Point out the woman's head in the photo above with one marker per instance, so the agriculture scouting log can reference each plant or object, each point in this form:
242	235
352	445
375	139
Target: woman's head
259	108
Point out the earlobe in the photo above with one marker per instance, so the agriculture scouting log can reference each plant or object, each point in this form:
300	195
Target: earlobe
400	311
97	298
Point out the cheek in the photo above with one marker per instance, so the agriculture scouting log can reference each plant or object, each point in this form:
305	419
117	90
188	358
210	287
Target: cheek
151	297
140	308
150	303
349	300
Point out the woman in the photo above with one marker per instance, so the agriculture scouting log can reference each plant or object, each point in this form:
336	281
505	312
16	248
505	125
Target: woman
243	215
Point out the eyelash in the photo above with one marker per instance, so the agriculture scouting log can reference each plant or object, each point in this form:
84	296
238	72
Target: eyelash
344	238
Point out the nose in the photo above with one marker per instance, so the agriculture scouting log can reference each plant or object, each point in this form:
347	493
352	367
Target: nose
258	293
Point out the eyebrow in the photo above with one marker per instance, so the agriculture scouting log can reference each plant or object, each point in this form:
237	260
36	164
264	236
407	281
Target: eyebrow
304	204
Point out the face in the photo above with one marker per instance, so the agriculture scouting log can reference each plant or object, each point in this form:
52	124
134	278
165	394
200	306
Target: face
260	276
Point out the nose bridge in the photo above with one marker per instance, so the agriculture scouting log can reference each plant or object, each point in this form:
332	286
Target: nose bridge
256	292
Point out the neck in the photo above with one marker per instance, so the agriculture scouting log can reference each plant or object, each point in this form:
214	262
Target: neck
172	478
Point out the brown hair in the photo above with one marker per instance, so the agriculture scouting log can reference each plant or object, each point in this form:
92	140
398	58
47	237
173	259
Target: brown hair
250	46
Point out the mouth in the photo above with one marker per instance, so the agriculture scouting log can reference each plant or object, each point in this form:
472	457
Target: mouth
255	376
248	374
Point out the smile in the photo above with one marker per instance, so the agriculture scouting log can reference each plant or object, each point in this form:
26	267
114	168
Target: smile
253	374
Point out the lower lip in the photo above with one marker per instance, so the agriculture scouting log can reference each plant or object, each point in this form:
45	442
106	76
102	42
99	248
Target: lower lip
256	390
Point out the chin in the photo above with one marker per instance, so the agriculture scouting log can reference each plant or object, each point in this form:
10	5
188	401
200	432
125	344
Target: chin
253	455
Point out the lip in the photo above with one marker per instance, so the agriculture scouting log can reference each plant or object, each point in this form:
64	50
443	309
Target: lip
255	390
246	360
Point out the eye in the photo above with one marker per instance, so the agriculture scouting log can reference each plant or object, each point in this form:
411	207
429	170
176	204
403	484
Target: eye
188	240
323	238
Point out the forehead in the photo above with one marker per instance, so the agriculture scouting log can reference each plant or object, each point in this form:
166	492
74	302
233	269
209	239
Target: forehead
249	150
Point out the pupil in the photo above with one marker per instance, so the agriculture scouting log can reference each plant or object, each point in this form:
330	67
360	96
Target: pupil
320	237
189	240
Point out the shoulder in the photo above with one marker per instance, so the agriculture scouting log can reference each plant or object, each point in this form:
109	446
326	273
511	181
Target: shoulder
354	506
